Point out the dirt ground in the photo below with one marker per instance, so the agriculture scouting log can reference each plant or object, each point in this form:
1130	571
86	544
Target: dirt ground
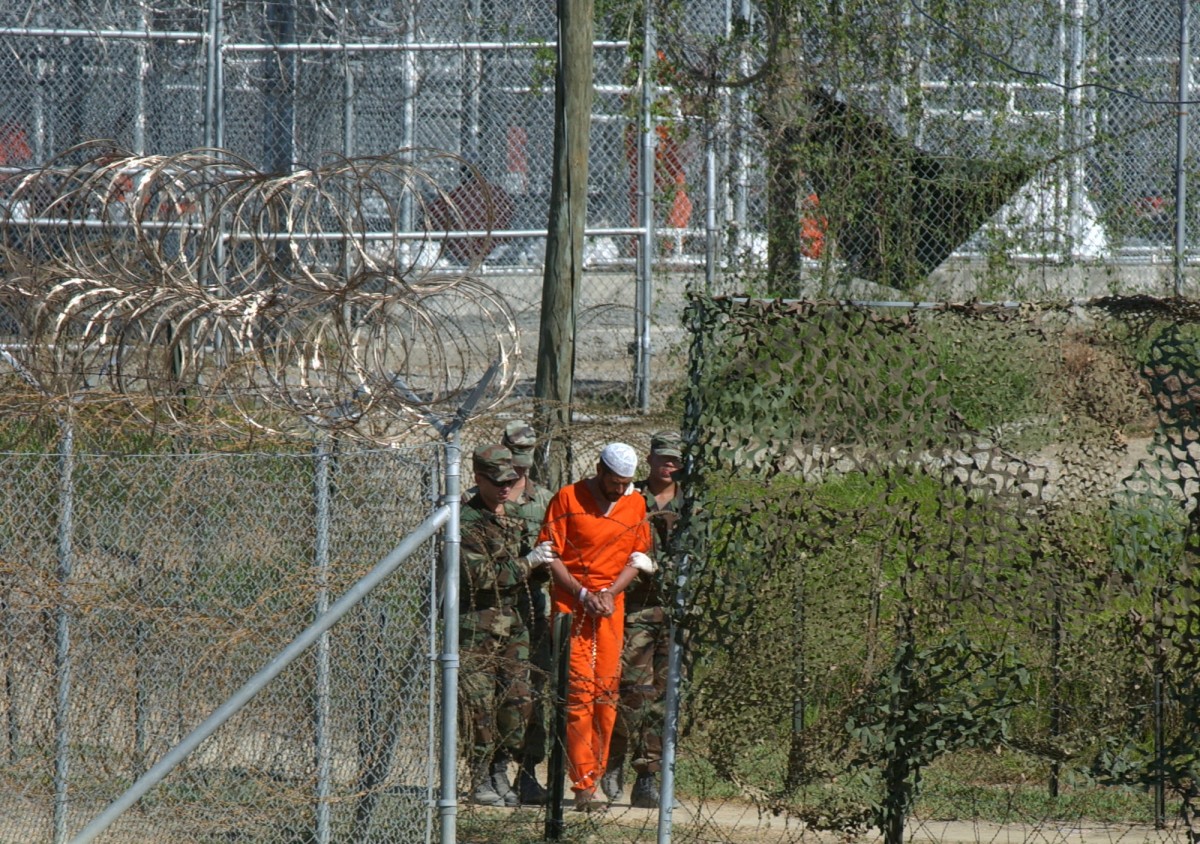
737	822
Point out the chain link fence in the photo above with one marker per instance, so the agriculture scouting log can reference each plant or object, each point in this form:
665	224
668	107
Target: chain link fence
930	475
929	495
991	149
140	590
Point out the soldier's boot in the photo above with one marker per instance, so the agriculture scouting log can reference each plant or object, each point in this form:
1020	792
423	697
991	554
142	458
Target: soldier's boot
613	781
645	792
483	793
529	790
500	783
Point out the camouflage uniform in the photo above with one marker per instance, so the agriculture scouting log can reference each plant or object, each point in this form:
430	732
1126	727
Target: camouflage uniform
644	656
534	603
494	642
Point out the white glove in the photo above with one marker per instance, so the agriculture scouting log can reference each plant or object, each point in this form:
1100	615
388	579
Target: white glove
642	562
541	555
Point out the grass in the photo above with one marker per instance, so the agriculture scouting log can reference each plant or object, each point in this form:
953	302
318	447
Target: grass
999	787
948	796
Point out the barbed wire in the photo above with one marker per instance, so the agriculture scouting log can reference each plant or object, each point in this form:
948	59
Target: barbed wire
293	298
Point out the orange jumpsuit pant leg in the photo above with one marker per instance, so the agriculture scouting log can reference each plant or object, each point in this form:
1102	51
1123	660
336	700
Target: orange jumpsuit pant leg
592	695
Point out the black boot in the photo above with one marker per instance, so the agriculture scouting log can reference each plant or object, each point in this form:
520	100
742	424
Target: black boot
500	783
529	790
645	792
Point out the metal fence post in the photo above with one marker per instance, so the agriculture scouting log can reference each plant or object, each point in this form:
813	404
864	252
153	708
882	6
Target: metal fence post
666	801
740	122
1056	679
710	206
322	711
1181	142
408	124
646	212
213	96
38	118
139	91
433	726
12	723
448	802
1075	124
1159	669
214	127
555	764
62	631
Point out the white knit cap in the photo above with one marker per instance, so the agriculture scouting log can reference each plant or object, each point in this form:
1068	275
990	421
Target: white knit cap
620	458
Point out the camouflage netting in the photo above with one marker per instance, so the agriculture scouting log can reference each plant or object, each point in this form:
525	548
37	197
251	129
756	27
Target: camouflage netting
942	562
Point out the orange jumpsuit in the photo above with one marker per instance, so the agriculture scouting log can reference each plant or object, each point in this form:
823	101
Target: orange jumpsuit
594	547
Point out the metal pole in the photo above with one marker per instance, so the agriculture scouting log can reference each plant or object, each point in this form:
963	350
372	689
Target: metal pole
62	632
1056	678
324	755
1160	785
408	127
1076	184
382	570
556	765
212	84
12	723
671	704
1181	142
214	126
799	702
710	206
691	416
448	801
645	262
347	152
139	96
432	726
741	128
40	127
347	103
141	687
471	132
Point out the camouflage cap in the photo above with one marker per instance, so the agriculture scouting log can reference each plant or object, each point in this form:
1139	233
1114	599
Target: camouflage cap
494	462
520	438
667	444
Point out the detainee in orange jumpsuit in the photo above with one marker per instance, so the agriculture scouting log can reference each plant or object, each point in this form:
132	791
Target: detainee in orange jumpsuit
599	531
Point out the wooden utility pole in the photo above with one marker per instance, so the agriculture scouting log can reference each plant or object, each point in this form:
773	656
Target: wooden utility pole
782	115
564	244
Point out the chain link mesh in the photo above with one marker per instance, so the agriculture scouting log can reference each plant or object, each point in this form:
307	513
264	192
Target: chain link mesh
1073	105
984	149
140	591
1004	150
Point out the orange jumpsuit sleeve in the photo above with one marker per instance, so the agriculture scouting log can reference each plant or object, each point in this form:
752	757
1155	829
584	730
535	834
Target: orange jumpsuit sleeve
553	523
